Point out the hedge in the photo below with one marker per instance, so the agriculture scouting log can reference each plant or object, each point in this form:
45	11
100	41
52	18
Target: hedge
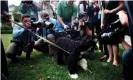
6	30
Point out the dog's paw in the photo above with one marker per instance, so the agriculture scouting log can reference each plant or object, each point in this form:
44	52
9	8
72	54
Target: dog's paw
73	76
83	64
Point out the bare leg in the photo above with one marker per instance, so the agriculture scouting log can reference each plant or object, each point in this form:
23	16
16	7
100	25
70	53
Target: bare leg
110	51
106	54
115	53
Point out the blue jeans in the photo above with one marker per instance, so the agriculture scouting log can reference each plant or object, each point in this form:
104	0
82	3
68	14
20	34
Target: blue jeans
60	28
127	60
45	32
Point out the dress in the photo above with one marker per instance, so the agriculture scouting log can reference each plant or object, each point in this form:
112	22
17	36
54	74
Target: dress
109	18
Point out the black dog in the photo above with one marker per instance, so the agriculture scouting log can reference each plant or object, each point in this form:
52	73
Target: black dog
75	58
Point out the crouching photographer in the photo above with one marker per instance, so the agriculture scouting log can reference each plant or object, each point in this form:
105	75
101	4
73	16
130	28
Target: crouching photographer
47	30
23	39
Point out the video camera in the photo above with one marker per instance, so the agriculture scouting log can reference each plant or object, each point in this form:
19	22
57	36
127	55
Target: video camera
46	24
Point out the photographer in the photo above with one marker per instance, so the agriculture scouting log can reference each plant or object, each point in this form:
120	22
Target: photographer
46	18
46	6
82	13
23	40
47	31
31	8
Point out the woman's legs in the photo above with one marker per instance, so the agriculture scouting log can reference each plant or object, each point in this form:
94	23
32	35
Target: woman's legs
106	54
110	51
115	54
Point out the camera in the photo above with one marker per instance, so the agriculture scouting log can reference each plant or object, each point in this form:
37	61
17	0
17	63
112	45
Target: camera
46	24
35	24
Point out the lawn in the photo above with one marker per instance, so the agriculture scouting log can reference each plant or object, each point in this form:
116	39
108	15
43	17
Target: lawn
42	66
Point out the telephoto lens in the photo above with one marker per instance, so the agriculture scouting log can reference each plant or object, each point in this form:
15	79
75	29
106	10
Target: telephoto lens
35	24
48	25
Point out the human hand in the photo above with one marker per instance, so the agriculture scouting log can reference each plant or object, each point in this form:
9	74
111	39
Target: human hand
66	27
95	13
102	25
106	11
72	24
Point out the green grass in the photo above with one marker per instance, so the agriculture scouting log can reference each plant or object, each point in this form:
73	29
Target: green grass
41	65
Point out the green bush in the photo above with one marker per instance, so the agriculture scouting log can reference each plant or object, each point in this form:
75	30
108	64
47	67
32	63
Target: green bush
17	17
6	30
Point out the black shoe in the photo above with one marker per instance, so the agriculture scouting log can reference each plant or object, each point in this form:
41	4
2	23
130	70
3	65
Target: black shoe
19	53
27	58
14	60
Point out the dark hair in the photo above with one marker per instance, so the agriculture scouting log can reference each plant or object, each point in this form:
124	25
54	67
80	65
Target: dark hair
27	2
25	15
84	4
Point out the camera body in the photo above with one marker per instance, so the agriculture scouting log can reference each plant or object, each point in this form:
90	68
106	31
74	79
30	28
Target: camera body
46	24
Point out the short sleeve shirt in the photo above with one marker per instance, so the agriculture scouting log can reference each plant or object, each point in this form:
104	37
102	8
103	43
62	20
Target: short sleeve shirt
65	11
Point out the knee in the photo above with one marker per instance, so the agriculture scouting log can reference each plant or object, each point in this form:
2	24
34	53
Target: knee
51	37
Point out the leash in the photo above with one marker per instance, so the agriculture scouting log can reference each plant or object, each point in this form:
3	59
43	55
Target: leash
106	28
